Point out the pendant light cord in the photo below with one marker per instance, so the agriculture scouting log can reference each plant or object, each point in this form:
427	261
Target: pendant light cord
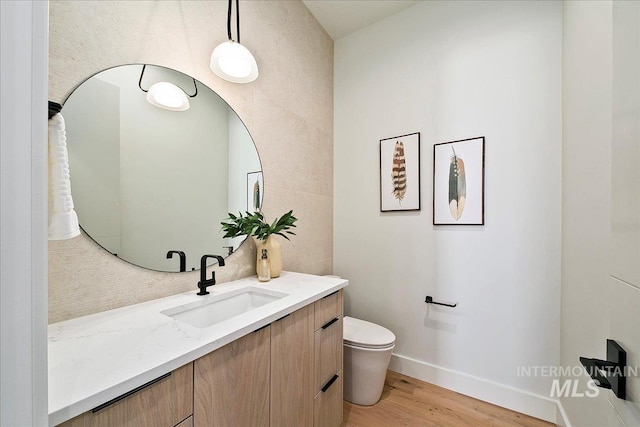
239	65
229	20
147	90
237	20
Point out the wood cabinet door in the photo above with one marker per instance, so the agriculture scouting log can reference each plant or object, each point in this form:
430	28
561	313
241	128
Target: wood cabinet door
186	423
74	422
292	369
231	384
328	405
165	402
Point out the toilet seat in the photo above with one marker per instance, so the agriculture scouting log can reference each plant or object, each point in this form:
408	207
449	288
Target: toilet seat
362	334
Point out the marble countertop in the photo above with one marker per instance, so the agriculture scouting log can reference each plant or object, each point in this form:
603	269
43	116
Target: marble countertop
96	358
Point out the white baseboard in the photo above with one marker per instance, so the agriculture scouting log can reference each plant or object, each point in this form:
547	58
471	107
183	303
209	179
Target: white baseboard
562	420
508	397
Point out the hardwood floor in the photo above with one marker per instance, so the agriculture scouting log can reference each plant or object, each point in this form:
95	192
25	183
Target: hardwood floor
409	402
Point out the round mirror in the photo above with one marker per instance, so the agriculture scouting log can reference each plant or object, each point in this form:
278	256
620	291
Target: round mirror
151	180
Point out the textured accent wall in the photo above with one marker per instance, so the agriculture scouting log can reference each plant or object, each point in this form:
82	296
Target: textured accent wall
288	111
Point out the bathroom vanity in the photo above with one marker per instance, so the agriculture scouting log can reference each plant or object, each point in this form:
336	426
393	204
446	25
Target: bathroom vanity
274	359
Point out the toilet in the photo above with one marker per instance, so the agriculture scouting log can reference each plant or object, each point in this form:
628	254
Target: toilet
367	352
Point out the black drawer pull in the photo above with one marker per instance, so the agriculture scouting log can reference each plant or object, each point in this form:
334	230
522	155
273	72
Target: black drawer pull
259	329
286	315
331	381
331	294
329	323
129	393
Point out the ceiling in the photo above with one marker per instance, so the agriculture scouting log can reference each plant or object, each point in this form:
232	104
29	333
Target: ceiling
343	17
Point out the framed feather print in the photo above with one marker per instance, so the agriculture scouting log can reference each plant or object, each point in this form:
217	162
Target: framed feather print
255	190
458	182
400	173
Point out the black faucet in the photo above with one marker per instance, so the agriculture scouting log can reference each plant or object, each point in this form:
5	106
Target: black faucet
183	259
204	283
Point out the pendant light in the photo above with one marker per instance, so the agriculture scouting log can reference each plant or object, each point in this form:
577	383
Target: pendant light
167	95
232	61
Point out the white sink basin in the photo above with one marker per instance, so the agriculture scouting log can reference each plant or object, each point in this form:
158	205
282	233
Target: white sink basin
217	308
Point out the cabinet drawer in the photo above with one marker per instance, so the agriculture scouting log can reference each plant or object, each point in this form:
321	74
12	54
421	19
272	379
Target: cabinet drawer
328	352
165	402
327	405
328	308
74	422
186	423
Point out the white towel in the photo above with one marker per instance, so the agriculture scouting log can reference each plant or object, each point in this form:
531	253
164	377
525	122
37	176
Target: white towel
63	220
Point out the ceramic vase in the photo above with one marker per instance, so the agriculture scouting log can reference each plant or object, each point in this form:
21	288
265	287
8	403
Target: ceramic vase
274	253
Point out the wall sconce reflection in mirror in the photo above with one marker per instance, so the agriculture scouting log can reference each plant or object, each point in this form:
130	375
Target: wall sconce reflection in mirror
167	95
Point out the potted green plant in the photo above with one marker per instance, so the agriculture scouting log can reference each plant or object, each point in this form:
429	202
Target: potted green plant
254	224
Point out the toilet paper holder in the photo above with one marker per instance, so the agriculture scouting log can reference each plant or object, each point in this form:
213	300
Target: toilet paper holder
429	300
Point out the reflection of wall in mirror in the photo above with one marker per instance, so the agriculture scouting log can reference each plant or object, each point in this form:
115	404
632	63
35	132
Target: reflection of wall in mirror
93	137
243	159
173	172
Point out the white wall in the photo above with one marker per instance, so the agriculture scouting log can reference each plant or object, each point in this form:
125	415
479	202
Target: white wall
454	70
23	213
601	199
586	201
624	282
625	148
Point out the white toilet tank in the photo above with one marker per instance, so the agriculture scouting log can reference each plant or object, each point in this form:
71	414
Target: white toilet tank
367	352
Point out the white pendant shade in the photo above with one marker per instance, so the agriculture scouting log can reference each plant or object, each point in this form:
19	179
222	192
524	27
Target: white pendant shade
168	96
233	62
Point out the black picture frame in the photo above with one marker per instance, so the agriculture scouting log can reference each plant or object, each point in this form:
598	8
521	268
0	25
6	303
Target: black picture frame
400	173
458	182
